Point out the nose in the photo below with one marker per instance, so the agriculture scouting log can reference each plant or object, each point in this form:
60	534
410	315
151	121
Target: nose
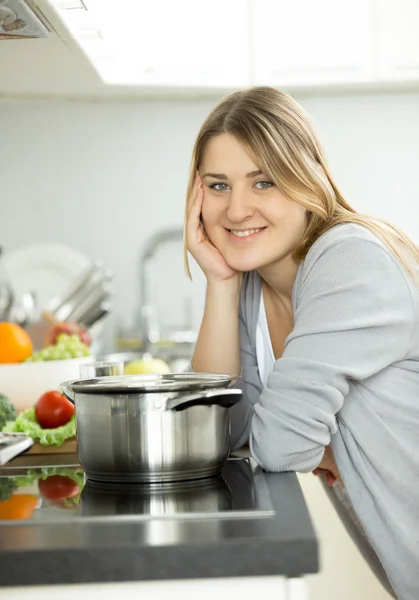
240	206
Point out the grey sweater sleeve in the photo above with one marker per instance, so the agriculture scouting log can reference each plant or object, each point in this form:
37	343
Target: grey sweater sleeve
352	317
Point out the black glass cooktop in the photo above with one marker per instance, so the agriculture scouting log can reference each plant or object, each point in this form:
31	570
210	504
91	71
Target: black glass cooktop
62	494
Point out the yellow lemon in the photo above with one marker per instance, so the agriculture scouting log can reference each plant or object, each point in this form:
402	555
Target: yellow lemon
145	366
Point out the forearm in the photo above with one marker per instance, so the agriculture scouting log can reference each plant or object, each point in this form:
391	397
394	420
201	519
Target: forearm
217	349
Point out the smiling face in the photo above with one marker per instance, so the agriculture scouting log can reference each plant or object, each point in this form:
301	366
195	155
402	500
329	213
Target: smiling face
245	215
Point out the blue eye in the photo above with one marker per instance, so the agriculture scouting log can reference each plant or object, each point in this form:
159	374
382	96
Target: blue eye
219	187
264	185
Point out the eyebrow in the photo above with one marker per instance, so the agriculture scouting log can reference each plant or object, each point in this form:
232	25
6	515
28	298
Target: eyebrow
224	176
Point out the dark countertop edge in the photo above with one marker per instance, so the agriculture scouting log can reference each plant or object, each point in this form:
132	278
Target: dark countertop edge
288	559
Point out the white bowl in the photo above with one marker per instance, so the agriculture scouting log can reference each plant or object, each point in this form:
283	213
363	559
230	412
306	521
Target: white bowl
24	383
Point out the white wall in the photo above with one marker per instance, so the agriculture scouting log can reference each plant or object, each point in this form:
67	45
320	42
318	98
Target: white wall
102	177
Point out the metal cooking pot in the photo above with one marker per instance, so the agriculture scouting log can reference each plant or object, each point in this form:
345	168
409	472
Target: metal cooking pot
152	428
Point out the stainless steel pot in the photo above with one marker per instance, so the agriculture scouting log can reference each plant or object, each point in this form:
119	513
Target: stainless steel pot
152	428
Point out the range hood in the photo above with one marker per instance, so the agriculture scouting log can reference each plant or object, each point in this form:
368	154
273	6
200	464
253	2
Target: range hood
19	21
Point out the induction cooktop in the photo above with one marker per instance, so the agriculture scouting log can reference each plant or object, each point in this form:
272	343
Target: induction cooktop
62	494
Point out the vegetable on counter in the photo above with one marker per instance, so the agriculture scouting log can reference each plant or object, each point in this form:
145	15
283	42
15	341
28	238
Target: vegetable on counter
55	335
7	411
146	365
27	423
51	422
53	410
15	344
67	346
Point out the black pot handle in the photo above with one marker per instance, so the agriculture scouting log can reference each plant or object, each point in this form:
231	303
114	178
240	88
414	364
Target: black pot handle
224	397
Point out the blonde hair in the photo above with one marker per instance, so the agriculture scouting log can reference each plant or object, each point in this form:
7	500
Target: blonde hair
281	140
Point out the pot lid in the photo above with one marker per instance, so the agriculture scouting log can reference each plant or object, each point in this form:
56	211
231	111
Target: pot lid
167	382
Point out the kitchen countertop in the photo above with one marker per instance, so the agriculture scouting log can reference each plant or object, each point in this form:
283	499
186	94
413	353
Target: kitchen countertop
280	542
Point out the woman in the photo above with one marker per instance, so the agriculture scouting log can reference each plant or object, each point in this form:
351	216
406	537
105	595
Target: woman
316	307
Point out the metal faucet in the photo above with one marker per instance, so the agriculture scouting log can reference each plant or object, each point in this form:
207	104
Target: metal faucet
149	327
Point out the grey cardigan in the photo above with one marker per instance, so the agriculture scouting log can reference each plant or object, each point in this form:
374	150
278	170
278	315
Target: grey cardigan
349	377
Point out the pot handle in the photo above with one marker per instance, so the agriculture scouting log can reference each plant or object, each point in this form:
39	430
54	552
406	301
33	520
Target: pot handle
67	391
224	397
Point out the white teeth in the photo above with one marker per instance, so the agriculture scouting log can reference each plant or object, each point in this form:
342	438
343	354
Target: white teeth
244	233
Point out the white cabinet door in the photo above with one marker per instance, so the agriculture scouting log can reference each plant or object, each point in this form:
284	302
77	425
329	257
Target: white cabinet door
397	39
177	43
242	588
309	42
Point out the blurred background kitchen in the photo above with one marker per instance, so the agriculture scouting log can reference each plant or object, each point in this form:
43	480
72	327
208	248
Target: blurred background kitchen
100	103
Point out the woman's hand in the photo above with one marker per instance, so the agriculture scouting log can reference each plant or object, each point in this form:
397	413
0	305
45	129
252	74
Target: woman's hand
206	254
328	468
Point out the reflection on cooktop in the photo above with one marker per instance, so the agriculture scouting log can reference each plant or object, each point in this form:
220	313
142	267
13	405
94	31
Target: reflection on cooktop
240	492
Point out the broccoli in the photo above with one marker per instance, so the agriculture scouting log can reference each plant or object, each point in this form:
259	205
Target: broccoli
7	487
7	411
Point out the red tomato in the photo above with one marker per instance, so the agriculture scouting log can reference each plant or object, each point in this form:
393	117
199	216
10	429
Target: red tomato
57	487
53	410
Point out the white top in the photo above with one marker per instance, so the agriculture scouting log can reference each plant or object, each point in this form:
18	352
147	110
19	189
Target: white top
264	352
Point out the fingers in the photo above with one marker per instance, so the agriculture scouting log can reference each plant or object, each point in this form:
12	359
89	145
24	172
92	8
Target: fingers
320	471
195	203
194	229
328	476
196	188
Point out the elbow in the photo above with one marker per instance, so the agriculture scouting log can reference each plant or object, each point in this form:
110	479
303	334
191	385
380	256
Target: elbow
285	455
280	462
288	440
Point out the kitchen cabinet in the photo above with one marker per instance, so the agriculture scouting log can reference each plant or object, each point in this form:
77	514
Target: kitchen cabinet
180	44
262	42
245	588
397	42
305	42
185	48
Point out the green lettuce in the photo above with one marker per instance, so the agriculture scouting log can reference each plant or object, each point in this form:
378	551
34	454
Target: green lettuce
26	423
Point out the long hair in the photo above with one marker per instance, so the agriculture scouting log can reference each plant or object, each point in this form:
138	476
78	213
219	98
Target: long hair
281	140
